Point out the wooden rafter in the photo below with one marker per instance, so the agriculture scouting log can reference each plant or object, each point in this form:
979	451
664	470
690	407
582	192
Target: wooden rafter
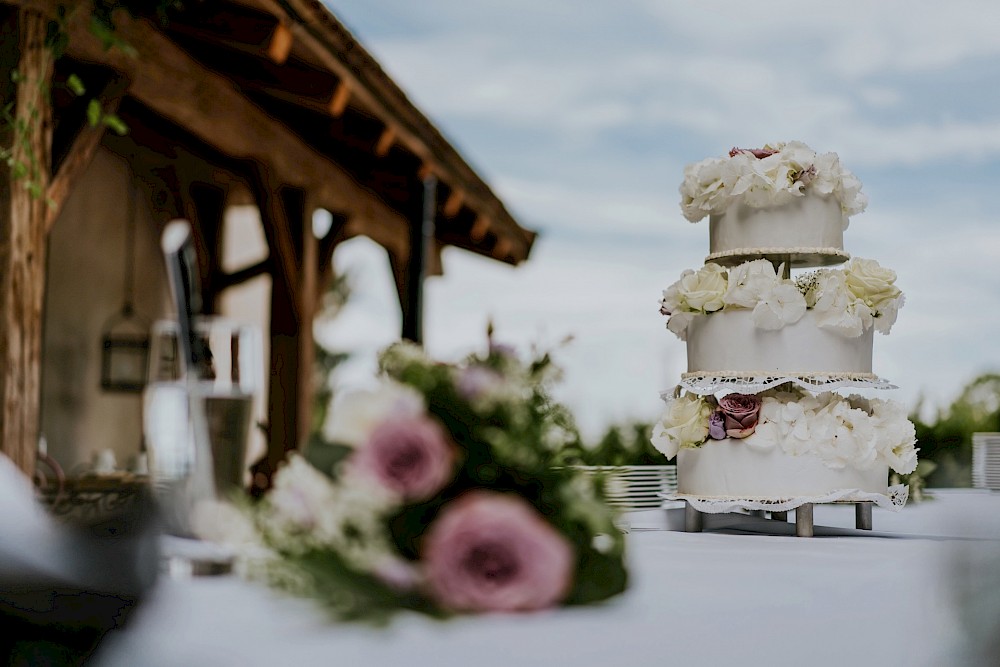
170	82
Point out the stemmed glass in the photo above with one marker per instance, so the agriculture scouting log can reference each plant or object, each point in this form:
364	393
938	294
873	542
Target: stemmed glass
197	428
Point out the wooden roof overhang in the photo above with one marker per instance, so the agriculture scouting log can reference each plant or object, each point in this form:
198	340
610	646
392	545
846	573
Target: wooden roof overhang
270	102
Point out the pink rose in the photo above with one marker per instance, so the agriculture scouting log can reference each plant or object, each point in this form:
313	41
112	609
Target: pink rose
490	551
411	456
741	412
759	153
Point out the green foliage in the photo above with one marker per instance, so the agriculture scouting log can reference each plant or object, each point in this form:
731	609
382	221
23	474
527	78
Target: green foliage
621	445
947	440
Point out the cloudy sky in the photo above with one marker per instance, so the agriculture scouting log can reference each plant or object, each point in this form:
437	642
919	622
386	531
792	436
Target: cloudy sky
581	114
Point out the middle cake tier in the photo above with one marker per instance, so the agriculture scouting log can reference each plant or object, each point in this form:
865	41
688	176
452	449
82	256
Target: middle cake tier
729	342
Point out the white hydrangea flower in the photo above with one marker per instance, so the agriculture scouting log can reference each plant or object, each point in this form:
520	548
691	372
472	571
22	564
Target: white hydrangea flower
782	304
748	282
837	309
704	191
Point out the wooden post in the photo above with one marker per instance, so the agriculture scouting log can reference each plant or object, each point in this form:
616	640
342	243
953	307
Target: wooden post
23	214
293	301
421	235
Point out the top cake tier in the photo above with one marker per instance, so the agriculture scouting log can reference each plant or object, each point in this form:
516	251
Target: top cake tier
783	202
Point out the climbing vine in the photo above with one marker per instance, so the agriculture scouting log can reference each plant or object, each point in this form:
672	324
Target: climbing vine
24	165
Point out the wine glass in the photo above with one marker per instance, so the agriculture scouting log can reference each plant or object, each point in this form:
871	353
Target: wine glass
197	423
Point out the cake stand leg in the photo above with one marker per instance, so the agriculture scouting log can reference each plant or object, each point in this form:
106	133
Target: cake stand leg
779	516
804	520
863	516
693	522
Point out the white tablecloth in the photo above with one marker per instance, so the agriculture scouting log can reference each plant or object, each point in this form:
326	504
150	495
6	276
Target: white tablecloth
922	589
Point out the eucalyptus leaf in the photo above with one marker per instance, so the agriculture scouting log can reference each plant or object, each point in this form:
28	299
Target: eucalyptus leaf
75	84
93	112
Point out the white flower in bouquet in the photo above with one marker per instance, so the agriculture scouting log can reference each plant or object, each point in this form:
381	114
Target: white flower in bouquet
782	304
684	424
356	414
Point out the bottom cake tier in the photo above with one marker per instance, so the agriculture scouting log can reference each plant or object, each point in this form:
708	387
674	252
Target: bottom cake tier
729	469
785	443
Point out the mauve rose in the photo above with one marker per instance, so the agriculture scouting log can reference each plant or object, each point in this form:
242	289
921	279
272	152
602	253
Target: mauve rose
491	551
717	426
411	456
759	153
741	412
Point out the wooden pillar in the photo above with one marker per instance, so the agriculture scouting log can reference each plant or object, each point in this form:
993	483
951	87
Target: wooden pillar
294	255
23	237
412	283
208	203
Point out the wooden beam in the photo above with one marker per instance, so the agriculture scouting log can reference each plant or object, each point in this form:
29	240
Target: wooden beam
385	141
479	228
341	96
23	245
453	204
170	82
336	48
281	44
277	225
81	152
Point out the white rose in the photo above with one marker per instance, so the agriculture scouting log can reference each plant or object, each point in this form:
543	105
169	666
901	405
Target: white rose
684	424
698	291
871	283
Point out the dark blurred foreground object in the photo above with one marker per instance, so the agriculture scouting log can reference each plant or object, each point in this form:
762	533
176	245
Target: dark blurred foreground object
63	587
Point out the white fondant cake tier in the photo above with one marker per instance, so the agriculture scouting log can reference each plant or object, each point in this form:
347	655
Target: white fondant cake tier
728	342
731	469
808	231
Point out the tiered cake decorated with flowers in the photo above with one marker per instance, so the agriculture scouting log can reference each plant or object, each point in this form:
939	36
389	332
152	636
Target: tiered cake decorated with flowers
757	421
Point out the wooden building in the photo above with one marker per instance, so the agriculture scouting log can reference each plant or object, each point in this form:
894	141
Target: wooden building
227	103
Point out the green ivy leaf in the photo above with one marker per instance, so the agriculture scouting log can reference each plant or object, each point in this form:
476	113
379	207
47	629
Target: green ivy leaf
94	113
75	84
115	124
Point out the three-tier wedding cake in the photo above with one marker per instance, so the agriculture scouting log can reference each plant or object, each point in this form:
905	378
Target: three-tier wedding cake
757	420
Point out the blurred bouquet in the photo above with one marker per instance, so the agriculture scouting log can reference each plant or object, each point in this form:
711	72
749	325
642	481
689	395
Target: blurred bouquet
621	445
440	491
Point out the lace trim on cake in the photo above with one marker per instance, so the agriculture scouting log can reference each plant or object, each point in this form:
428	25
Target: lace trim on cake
894	500
750	382
748	252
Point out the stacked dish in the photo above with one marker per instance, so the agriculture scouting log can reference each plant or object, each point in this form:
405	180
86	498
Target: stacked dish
636	487
986	461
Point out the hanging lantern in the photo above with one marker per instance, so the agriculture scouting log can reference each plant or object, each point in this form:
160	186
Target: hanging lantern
125	335
124	352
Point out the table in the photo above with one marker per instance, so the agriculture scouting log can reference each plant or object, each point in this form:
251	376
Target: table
923	588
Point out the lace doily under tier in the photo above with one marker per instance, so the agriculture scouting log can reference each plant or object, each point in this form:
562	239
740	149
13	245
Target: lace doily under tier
795	257
894	500
749	382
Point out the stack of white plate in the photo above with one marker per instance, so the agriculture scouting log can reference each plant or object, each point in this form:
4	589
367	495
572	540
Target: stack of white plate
986	461
636	487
